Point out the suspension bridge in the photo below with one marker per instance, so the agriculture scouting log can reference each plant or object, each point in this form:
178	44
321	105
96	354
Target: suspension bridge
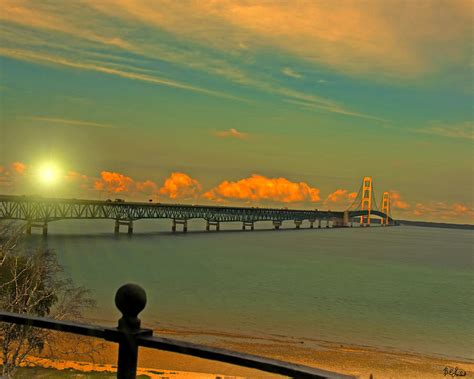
37	212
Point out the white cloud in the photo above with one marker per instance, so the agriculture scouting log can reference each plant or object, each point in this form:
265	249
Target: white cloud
291	73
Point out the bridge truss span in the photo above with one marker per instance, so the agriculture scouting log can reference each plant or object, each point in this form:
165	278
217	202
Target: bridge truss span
38	211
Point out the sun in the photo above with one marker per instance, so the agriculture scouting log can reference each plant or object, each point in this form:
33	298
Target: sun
48	174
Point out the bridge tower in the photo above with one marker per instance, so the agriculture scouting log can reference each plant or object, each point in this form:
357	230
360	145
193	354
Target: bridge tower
385	207
366	203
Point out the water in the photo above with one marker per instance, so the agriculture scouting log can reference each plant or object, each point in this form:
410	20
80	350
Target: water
404	288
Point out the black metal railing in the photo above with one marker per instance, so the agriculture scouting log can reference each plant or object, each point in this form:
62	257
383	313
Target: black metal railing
130	299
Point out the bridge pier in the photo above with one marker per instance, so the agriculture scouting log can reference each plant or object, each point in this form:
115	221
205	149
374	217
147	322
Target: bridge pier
345	219
298	224
311	223
127	223
338	223
365	221
212	223
277	224
180	222
249	224
32	224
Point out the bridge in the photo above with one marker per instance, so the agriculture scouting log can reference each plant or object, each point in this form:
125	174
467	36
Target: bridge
38	212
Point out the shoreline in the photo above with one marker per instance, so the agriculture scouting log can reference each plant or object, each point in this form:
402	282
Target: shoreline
360	361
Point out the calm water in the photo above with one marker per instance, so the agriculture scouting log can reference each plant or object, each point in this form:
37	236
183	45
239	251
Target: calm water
406	288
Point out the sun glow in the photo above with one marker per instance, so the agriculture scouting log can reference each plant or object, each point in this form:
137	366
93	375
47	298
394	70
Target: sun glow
48	174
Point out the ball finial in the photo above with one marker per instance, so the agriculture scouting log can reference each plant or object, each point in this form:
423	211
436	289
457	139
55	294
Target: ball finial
130	299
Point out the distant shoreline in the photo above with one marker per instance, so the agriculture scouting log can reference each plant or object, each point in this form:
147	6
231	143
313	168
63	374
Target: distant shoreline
436	224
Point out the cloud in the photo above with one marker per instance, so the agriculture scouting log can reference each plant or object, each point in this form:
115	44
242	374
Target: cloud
69	122
448	212
124	72
177	186
315	104
18	167
464	130
293	74
15	172
231	133
396	201
181	186
384	37
340	196
258	187
84	181
50	30
114	182
148	187
74	176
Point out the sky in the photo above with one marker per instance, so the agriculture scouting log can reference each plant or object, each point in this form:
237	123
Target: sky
252	103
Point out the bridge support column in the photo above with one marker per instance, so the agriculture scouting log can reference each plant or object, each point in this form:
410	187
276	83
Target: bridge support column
319	223
127	223
327	223
40	225
298	223
45	229
250	224
338	223
345	219
311	224
277	224
212	223
179	222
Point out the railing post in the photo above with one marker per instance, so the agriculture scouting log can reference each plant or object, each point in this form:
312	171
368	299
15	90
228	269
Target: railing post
130	299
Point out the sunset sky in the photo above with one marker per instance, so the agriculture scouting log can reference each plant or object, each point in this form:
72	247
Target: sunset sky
286	103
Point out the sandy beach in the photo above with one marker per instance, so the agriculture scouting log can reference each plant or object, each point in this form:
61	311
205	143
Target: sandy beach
347	359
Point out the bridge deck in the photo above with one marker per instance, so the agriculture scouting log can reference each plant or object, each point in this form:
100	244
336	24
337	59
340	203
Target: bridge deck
40	209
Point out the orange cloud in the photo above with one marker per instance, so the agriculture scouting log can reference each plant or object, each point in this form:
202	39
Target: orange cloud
114	182
231	133
396	201
461	208
75	177
181	186
259	187
376	37
119	183
340	196
18	167
440	210
147	186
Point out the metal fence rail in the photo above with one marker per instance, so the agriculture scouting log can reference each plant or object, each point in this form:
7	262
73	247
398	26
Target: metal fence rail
131	300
